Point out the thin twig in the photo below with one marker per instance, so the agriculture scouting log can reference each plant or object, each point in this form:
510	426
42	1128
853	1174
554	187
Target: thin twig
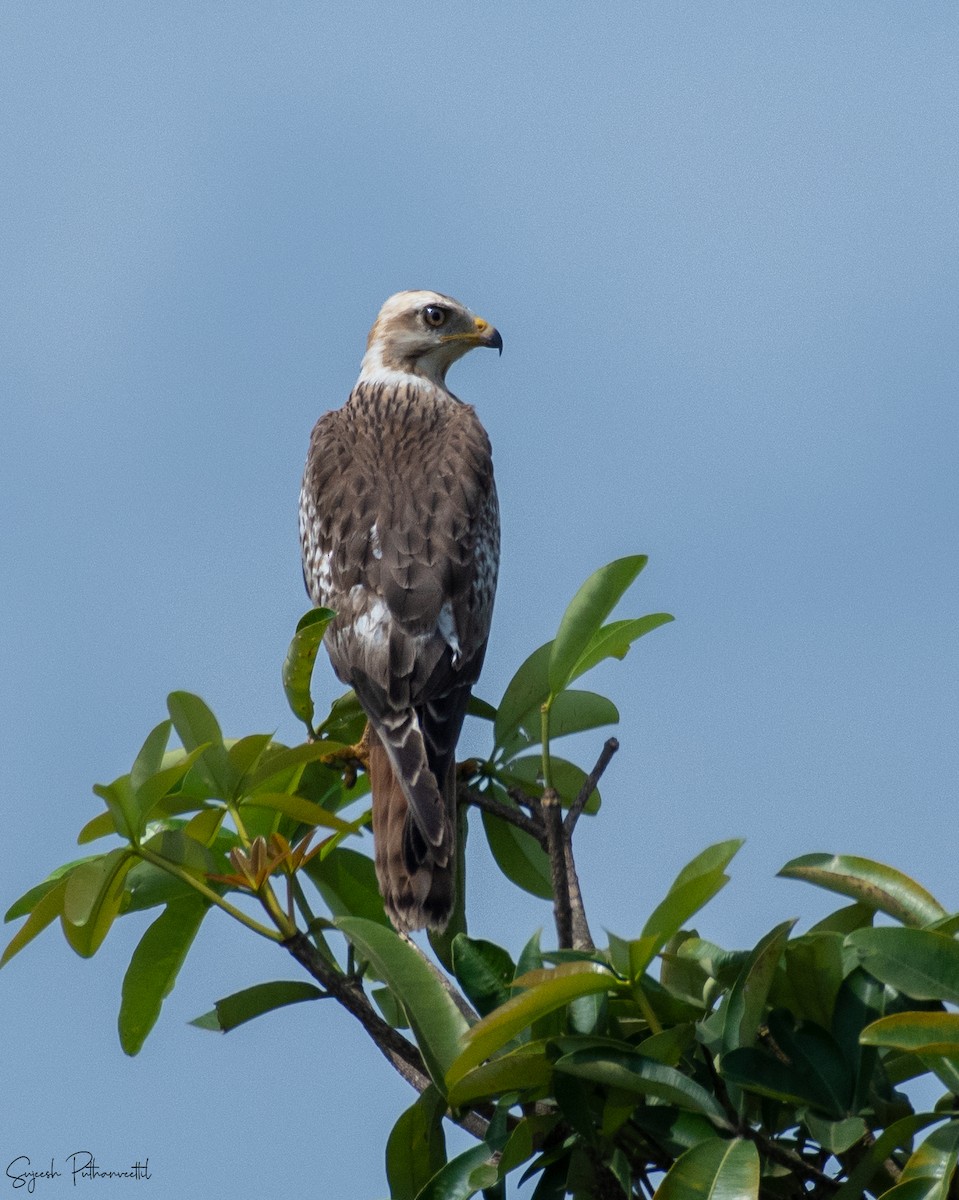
524	800
351	995
503	811
589	786
400	1052
772	1149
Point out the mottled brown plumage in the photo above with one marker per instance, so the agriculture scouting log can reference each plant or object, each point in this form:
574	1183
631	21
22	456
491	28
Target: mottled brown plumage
399	527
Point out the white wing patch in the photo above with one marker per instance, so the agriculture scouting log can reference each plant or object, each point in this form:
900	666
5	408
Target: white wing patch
446	626
372	621
375	548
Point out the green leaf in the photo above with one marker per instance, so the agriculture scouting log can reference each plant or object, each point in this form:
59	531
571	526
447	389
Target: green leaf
416	1148
920	962
159	786
480	708
346	719
568	779
815	1055
694	886
122	805
522	1069
518	854
102	825
299	809
208	1021
254	1001
521	1143
282	760
484	971
716	857
530	957
44	911
547	991
718	1169
948	924
572	711
153	969
815	966
934	1161
917	1032
845	920
615	639
150	759
526	691
246	754
669	917
746	1006
894	1137
205	826
642	1076
437	1024
871	883
92	899
670	1045
26	903
584	617
346	880
915	1189
149	886
945	1068
761	1073
835	1136
176	847
300	657
859	1001
196	726
453	1181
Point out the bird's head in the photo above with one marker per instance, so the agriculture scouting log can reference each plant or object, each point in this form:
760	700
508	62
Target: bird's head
422	334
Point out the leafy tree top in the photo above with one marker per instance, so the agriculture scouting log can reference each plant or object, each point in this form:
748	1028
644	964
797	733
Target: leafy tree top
658	1064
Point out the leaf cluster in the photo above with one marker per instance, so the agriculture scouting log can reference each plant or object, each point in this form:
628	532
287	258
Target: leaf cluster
659	1064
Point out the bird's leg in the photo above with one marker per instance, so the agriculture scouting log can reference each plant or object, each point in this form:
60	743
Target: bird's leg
351	758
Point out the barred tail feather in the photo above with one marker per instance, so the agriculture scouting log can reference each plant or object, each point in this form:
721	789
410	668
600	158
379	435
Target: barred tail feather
415	873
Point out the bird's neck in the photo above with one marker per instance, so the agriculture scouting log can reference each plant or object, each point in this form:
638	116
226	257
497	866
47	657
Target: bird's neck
394	372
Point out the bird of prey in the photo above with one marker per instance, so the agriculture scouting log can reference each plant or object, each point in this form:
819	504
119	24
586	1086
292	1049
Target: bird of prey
399	526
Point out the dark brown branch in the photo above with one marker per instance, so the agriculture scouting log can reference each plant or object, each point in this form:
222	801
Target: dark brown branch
556	847
503	811
592	779
524	800
351	995
787	1158
400	1052
582	938
800	1166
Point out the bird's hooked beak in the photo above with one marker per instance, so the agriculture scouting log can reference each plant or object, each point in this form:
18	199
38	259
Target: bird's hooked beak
482	334
487	335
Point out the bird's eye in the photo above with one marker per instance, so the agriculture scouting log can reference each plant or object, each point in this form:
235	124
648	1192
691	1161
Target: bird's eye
434	316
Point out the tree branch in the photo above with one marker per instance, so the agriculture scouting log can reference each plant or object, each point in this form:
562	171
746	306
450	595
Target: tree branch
351	995
592	779
582	938
556	847
504	812
398	1050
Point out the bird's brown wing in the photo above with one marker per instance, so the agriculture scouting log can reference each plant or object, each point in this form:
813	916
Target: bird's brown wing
401	538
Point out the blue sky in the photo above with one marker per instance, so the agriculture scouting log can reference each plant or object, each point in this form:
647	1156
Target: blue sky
721	245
